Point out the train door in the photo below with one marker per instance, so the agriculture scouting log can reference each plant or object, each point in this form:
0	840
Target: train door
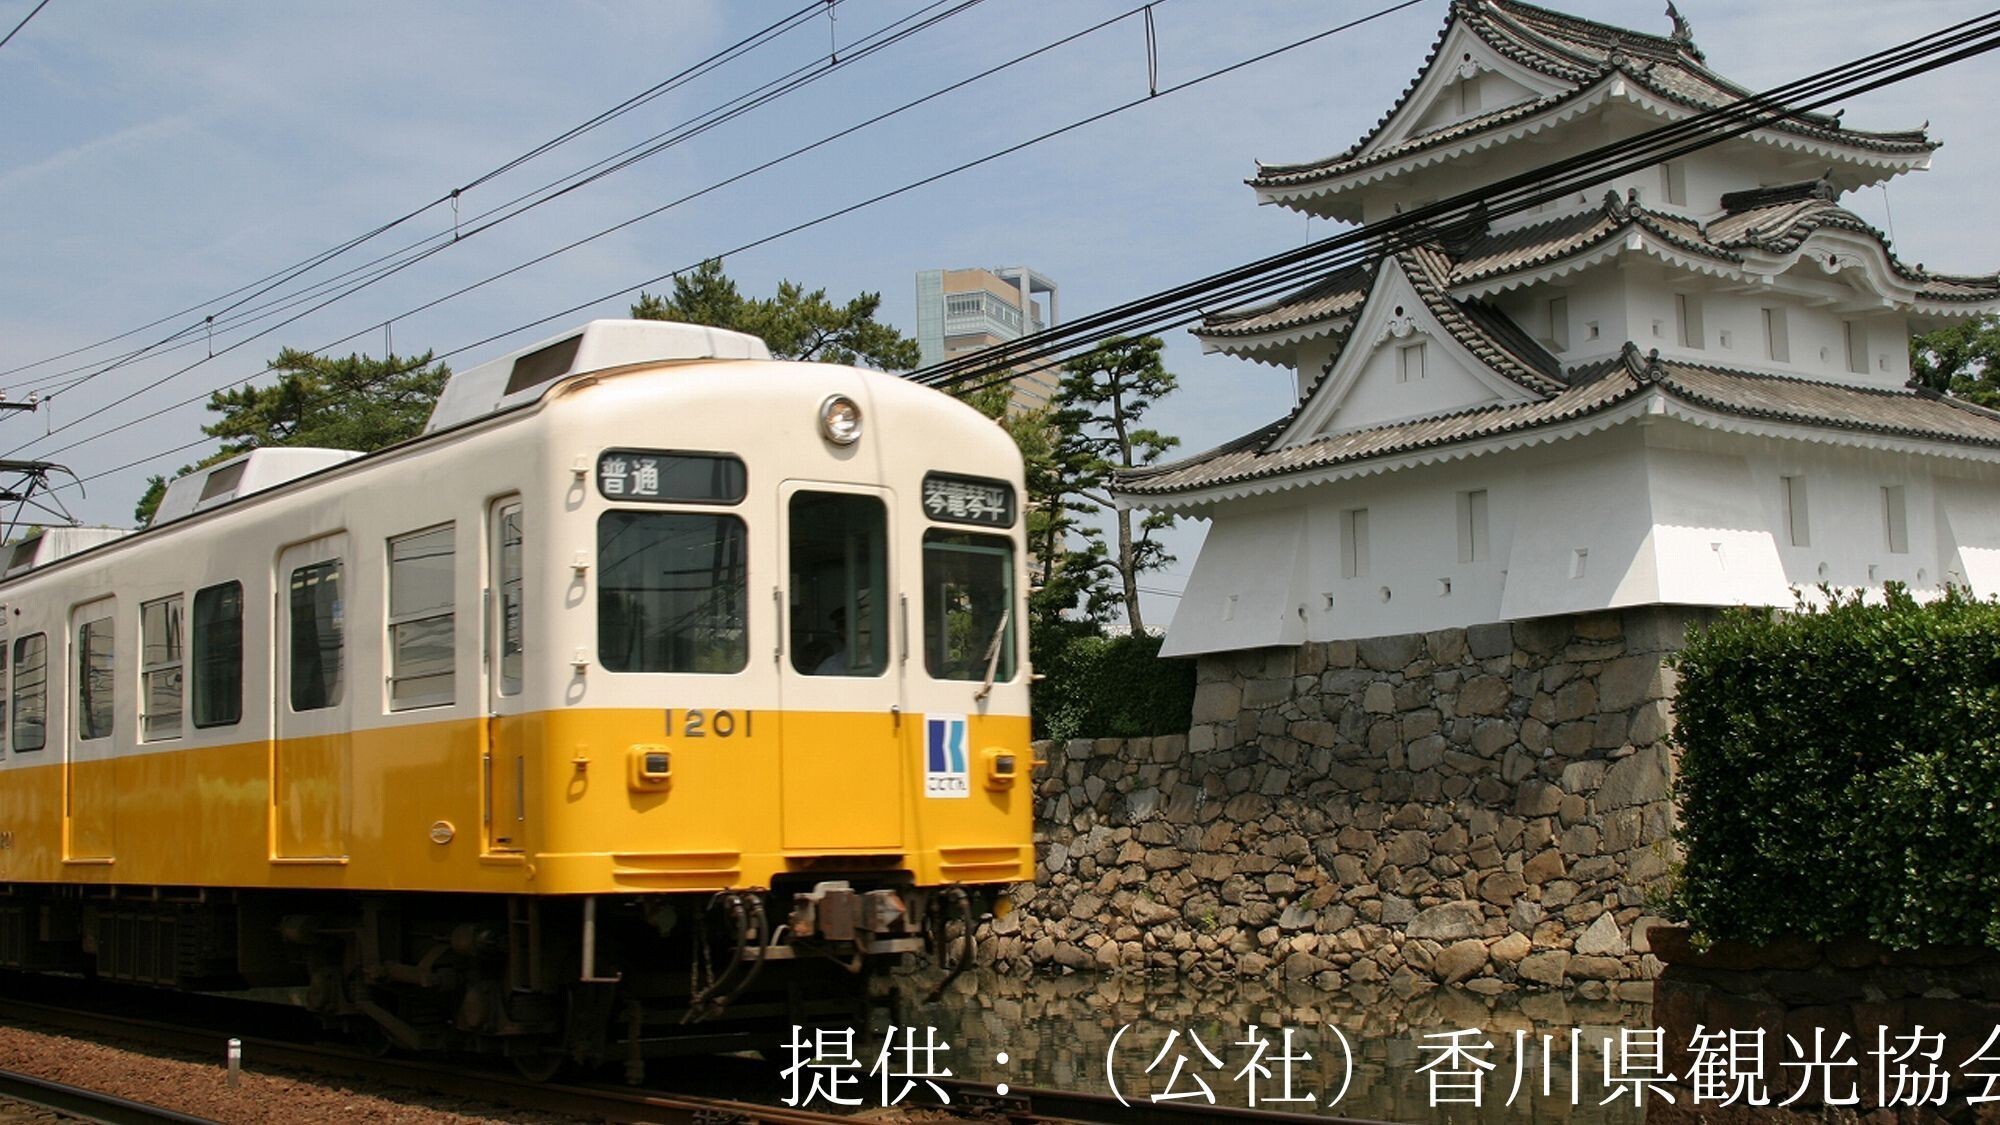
90	783
309	758
505	761
841	676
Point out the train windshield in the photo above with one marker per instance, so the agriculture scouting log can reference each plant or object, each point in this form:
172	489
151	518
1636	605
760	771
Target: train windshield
840	575
968	599
672	592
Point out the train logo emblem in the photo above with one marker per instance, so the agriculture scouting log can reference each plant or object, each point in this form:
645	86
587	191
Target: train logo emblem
944	757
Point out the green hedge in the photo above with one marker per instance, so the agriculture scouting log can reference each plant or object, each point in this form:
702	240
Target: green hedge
1111	687
1840	772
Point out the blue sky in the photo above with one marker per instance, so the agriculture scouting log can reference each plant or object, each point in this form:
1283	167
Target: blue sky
158	154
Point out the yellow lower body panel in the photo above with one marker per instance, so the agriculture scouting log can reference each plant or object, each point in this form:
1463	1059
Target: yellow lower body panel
557	802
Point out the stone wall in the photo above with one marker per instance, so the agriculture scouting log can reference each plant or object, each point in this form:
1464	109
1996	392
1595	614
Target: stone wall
1485	805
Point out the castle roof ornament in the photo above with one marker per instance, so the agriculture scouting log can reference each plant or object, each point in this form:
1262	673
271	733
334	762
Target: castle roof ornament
1683	33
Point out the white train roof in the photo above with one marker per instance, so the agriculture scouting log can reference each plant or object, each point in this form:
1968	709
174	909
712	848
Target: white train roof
55	543
600	345
254	471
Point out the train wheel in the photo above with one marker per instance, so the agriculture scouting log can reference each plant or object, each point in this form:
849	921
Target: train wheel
539	1066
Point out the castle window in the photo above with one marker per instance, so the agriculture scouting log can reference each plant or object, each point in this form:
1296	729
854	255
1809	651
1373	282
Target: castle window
1895	520
1558	316
1797	523
1410	363
1354	543
1777	339
1472	544
1468	96
1673	182
1855	336
1687	311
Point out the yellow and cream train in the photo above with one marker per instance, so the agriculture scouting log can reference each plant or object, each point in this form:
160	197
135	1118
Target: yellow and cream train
659	685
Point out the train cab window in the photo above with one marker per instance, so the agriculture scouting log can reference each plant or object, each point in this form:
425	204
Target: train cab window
316	636
217	695
420	619
968	606
31	693
94	678
161	625
672	592
840	584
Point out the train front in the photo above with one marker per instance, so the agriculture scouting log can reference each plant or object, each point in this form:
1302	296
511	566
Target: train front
784	736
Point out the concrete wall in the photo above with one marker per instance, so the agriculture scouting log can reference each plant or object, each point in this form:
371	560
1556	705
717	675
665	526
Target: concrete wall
1485	805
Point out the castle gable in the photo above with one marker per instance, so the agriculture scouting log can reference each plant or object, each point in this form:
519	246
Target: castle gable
1464	79
1402	361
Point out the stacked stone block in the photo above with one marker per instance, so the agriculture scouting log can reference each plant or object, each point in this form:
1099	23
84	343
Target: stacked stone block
1486	806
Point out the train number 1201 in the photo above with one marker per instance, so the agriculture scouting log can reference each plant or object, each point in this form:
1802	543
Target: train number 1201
696	722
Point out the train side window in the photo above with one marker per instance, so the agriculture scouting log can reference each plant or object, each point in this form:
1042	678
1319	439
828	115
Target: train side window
31	692
420	619
316	636
512	609
968	606
840	581
218	655
161	628
672	592
5	651
95	678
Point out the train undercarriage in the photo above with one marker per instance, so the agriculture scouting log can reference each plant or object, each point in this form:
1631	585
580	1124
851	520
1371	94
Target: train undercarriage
546	982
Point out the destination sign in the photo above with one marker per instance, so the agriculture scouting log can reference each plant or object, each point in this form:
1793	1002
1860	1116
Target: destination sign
974	500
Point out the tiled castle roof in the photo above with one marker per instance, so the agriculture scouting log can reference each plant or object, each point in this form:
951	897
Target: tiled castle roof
1909	414
1772	221
1578	54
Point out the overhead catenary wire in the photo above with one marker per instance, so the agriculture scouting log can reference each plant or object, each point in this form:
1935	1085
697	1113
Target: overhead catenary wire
36	10
397	265
391	263
1280	273
369	273
1245	284
491	278
264	284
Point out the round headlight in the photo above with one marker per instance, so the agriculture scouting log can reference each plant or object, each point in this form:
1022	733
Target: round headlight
840	420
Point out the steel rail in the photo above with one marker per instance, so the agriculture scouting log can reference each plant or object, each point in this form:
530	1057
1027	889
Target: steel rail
1029	1104
1019	1106
88	1105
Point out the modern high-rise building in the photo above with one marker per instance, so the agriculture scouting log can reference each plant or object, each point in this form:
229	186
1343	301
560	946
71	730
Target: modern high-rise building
962	311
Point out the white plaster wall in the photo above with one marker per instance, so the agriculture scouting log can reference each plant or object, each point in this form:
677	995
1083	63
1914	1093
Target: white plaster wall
1595	297
1649	503
1594	500
1713	539
1243	590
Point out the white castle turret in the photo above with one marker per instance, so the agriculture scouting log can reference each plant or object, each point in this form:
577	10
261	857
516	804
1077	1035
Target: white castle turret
1686	388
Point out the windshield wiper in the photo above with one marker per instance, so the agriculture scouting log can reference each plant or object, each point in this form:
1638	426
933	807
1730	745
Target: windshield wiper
993	655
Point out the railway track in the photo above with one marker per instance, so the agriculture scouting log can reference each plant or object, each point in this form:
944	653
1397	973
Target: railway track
77	1103
1019	1106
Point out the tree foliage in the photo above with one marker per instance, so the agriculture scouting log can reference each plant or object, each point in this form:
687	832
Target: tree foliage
795	324
1961	359
1103	401
356	402
1838	772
